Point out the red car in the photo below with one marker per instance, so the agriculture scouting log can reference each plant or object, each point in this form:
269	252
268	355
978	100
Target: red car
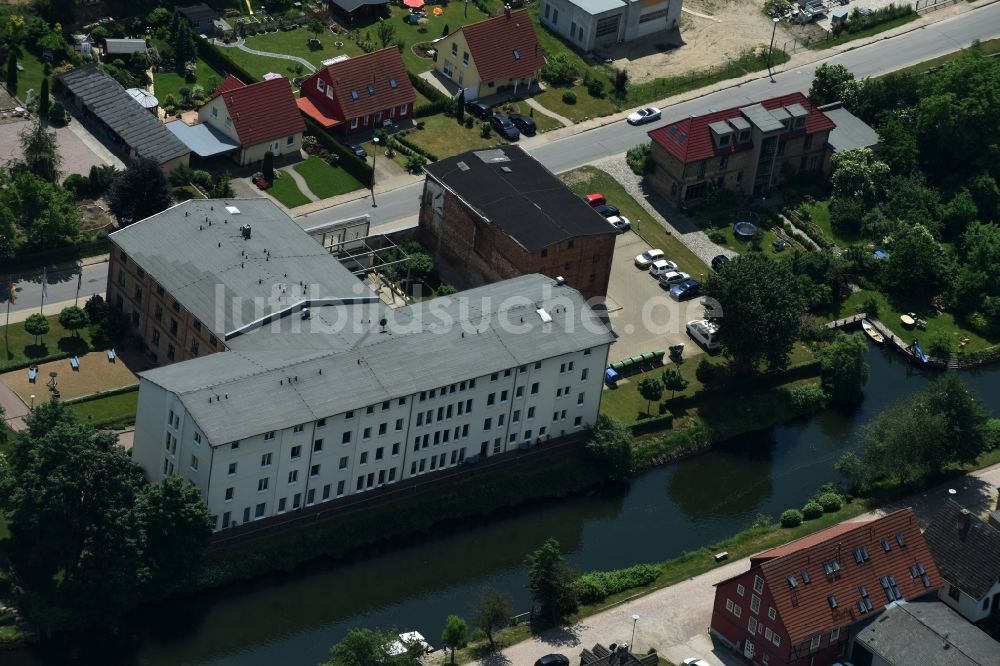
596	199
260	182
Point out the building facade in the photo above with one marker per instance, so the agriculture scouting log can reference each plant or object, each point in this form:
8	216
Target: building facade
496	214
593	24
747	150
801	603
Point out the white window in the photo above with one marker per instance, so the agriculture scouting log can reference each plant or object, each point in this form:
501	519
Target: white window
296	451
215	112
197	438
755	603
262	485
229	494
771	613
740	589
454	49
814	643
329	93
752	625
320	86
834	635
404	109
265	460
354	123
293	476
229	122
232	469
268	436
776	639
194	463
758	584
768	633
729	605
737	611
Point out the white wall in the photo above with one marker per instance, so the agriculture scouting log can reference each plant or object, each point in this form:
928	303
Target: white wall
971	609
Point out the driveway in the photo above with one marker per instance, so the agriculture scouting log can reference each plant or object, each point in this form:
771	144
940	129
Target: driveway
642	313
77	156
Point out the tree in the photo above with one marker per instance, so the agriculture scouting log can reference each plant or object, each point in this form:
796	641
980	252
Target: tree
41	152
857	173
674	381
386	32
96	308
455	634
73	319
36	325
828	84
139	192
315	27
43	100
610	446
843	370
620	82
364	647
491	610
444	33
183	42
223	189
460	107
12	72
964	416
550	581
46	212
958	214
916	266
898	144
268	168
651	389
759	311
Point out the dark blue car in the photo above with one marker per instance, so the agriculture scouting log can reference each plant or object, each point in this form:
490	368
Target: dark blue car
685	290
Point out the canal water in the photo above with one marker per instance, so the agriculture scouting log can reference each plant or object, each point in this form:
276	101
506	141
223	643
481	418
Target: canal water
294	619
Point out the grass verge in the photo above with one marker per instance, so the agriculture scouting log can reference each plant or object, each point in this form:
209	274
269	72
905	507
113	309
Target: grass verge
287	192
443	136
111	411
988	47
844	37
19	348
325	180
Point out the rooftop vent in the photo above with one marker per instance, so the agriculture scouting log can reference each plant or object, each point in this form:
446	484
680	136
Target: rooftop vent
232	210
246	231
560	280
545	316
463	166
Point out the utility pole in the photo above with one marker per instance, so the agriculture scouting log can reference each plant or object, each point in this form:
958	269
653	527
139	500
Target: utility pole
770	51
374	157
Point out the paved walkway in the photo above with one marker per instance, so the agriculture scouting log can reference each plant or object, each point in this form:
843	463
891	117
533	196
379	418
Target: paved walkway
14	409
566	122
241	45
301	182
675	619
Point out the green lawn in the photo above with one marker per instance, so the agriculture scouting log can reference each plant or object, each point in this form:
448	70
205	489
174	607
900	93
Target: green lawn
845	37
443	136
584	108
118	410
19	348
31	77
819	214
324	180
287	192
591	179
988	47
167	84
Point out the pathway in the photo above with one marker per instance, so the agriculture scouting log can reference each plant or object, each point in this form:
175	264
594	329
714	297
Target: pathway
241	45
301	182
675	619
14	409
548	112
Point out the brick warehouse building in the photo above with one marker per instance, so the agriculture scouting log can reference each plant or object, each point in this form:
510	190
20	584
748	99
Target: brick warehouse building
495	214
802	603
747	149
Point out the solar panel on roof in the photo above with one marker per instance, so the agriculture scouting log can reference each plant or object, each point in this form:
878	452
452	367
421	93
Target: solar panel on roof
792	583
392	83
832	600
900	540
805	576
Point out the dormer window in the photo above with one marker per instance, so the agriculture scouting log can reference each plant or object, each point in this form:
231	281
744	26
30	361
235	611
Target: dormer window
392	83
371	88
454	49
320	86
744	136
354	94
517	54
800	123
724	140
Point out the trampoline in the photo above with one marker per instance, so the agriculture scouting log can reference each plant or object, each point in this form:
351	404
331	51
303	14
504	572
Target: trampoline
744	230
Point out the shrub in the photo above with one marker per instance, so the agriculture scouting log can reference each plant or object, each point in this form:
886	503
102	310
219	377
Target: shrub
708	373
57	114
812	511
638	159
830	502
485	130
807	399
202	179
870	307
78	183
596	88
939	345
569	97
599	585
791	518
717	237
559	70
761	521
415	163
470	121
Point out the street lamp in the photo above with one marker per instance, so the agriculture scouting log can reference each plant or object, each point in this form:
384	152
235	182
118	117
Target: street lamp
770	51
631	644
32	402
375	140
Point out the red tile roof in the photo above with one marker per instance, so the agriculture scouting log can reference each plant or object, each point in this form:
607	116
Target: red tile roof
383	69
806	611
505	47
697	142
261	111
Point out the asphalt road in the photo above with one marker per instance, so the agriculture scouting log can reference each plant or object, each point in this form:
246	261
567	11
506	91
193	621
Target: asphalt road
61	287
617	137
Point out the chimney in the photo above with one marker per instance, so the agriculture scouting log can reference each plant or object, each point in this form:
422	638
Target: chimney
506	10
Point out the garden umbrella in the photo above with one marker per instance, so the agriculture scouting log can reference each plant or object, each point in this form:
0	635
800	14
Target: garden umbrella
416	4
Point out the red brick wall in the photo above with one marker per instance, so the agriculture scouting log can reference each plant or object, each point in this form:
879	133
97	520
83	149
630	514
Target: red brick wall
482	253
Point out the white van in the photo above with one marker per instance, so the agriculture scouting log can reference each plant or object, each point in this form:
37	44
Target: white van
704	333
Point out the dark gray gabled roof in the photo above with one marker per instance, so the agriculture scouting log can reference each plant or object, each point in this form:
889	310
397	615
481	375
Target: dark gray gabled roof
351	5
928	633
509	188
137	127
966	549
198	12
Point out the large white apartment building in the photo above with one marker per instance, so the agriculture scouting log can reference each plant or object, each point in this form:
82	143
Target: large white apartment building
339	399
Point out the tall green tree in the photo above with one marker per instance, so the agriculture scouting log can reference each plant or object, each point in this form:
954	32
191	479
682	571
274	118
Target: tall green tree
36	325
828	84
40	152
455	634
916	267
43	100
843	370
460	107
12	72
365	647
651	389
610	446
758	313
268	168
182	40
45	212
73	319
386	32
858	173
139	192
491	611
674	381
965	418
550	580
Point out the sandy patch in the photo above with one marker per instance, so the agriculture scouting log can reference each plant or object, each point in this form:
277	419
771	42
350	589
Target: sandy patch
96	374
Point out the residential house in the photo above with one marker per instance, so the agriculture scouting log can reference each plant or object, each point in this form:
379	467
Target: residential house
123	48
359	94
593	24
967	552
490	215
201	17
747	149
261	116
801	602
849	133
353	10
498	55
924	634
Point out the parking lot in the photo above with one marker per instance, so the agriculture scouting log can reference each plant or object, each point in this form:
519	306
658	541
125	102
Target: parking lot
643	314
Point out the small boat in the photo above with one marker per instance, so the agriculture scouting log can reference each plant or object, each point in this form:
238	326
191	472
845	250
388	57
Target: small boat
872	332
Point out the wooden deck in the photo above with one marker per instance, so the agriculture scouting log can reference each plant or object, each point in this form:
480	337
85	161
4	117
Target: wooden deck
903	347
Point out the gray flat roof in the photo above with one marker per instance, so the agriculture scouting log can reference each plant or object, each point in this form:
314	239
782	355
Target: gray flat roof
928	633
796	110
136	126
761	118
276	379
598	6
720	127
739	123
196	251
203	140
850	132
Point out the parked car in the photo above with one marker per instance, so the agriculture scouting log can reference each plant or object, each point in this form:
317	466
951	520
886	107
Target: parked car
607	210
648	257
643	116
705	333
694	661
357	150
661	267
524	123
685	290
620	223
479	109
553	660
261	182
595	199
718	261
673	277
504	127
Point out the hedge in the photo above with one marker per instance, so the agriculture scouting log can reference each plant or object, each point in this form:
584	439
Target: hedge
130	388
433	108
221	62
426	89
415	148
599	585
348	161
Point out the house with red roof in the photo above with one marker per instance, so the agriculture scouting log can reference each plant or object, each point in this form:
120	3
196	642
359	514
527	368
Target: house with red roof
804	602
497	55
359	94
260	117
748	149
